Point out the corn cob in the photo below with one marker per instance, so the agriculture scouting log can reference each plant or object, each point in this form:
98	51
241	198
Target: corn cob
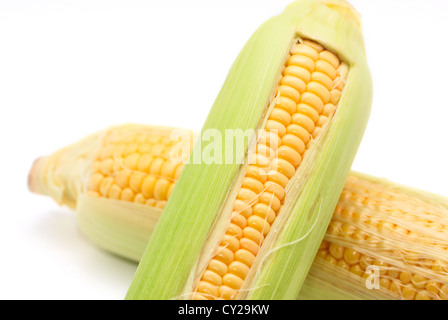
400	231
280	84
120	172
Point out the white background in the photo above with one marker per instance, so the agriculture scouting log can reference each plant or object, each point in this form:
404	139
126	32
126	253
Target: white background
68	68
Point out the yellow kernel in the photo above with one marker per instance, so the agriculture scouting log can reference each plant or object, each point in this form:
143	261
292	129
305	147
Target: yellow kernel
422	296
207	288
95	181
344	265
130	148
313	98
156	166
276	127
289	92
148	186
294	82
249	245
316	132
365	261
329	109
405	277
139	198
127	195
308	111
322	254
269	139
247	195
242	208
356	269
330	57
300	133
161	189
263	210
227	293
278	177
259	224
320	91
290	155
314	45
325	67
408	292
336	251
294	142
335	95
131	161
384	283
253	234
419	281
303	121
114	192
239	269
232	281
275	189
235	231
256	173
265	151
169	169
298	72
433	287
198	296
218	267
122	178
281	116
252	184
338	83
106	166
444	292
322	121
144	163
136	180
245	257
105	185
331	260
260	161
351	256
212	277
305	50
323	79
395	288
230	242
285	103
271	201
224	255
238	219
301	61
283	166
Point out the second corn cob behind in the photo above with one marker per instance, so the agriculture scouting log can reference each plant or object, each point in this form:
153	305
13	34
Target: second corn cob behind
399	233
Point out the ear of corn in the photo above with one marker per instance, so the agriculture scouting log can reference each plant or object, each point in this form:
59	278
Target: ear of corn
118	180
376	223
399	232
310	36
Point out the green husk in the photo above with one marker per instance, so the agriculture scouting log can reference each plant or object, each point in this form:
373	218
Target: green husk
192	219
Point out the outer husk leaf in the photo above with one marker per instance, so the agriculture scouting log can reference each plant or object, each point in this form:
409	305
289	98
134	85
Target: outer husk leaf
121	227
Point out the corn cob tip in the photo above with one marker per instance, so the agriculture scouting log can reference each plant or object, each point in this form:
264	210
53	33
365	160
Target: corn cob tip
36	170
